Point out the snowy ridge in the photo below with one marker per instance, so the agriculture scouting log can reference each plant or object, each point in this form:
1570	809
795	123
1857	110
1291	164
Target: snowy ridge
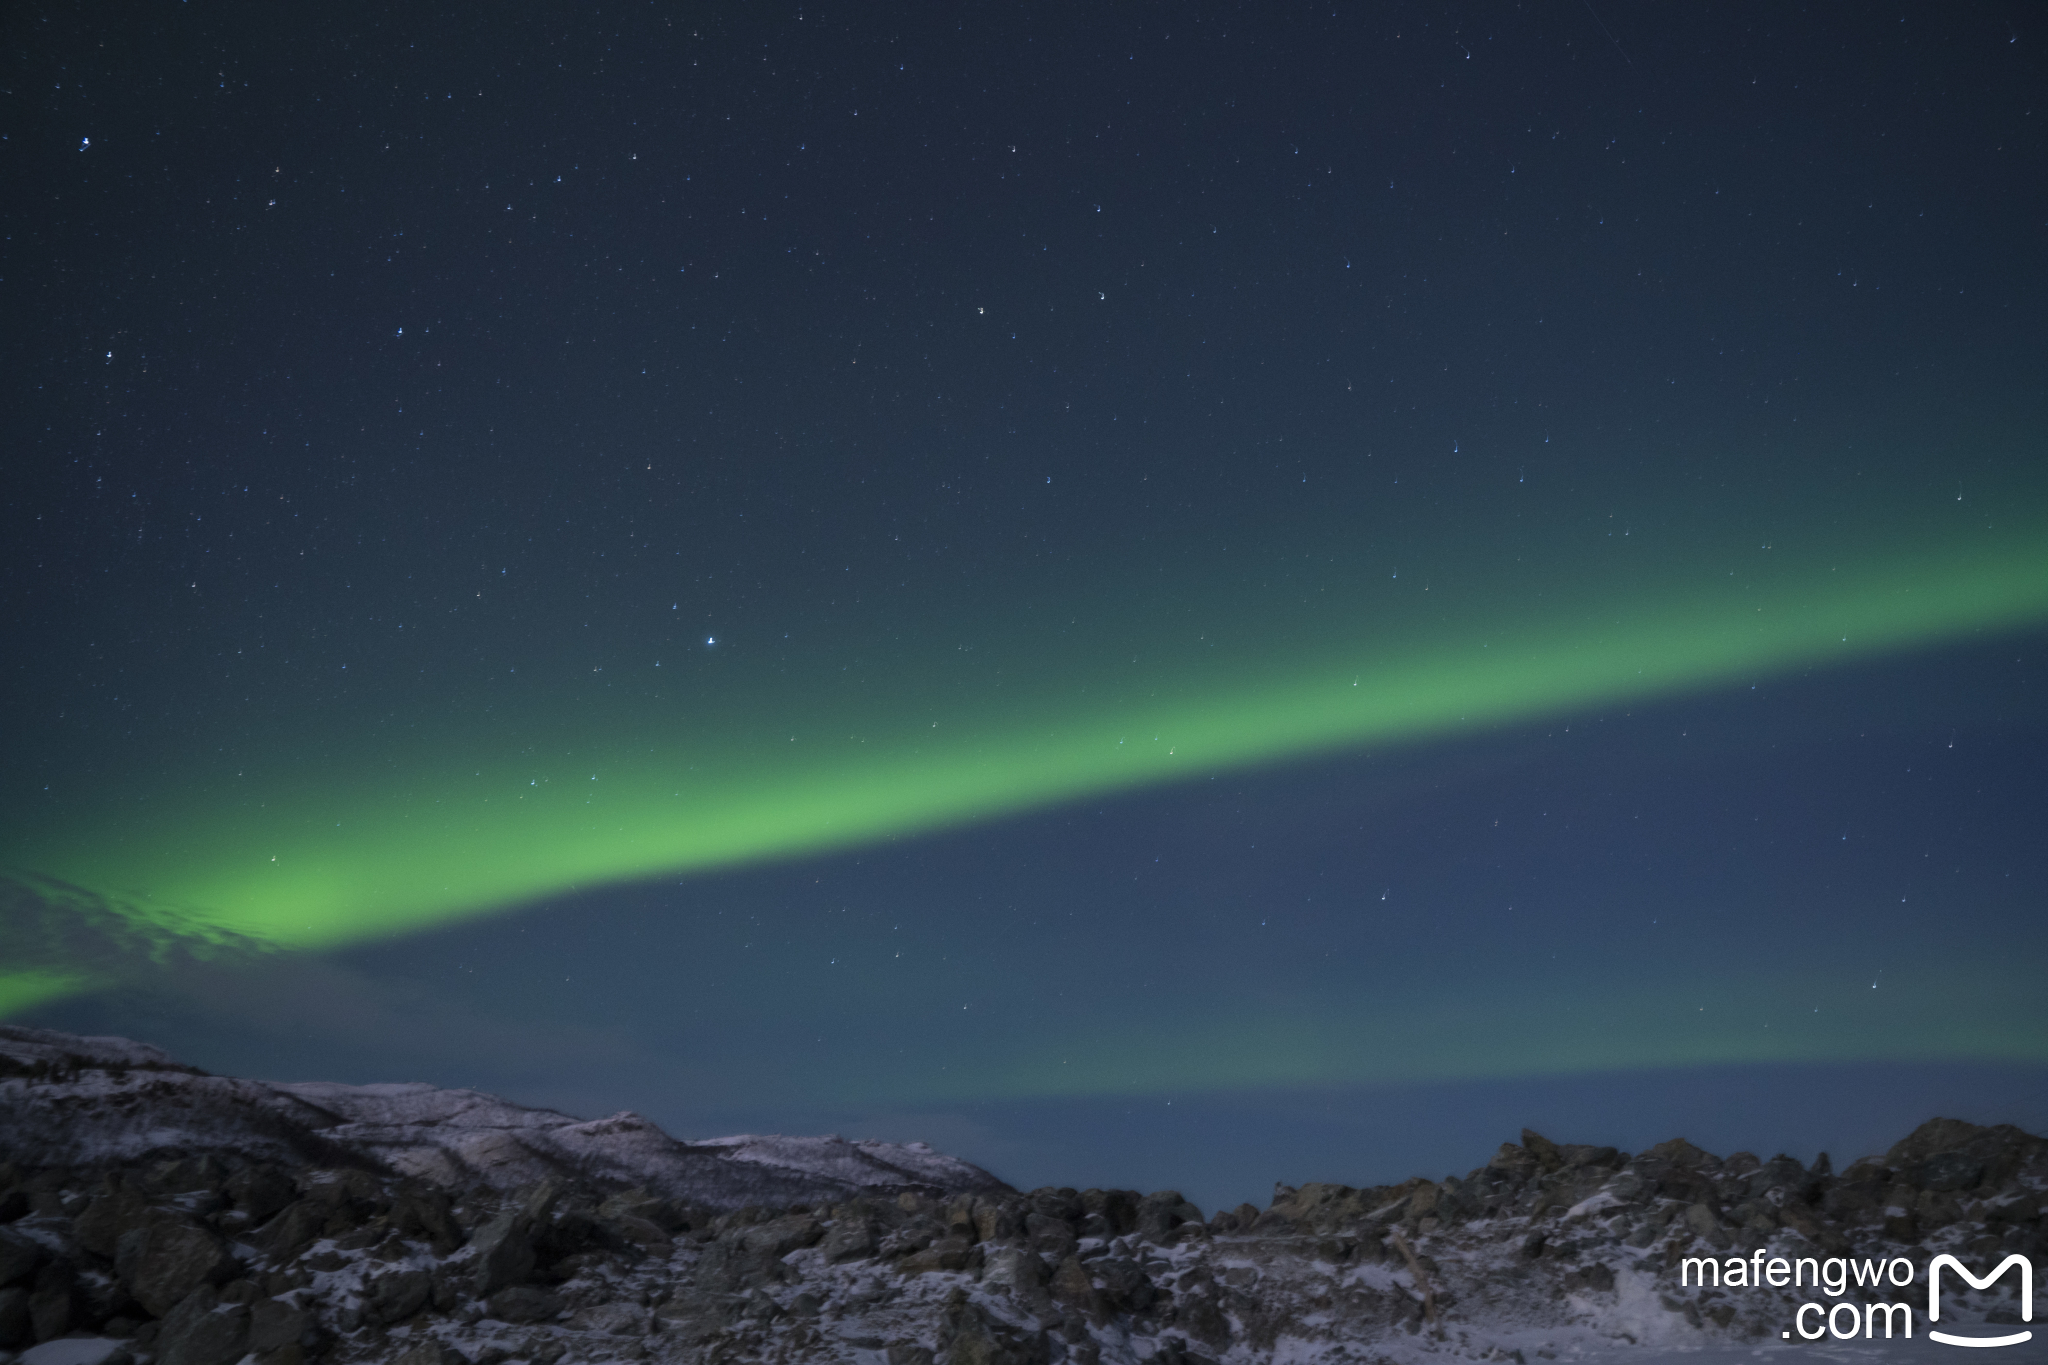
67	1100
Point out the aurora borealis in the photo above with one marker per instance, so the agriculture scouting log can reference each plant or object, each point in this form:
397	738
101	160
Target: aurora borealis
945	578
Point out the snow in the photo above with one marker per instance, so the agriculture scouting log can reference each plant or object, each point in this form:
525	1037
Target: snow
71	1351
109	1100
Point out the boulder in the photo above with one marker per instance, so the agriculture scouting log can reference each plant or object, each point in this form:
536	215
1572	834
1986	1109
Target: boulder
618	1319
1022	1274
524	1303
394	1297
1057	1201
997	1220
19	1257
274	1323
259	1192
1948	1171
694	1316
424	1212
851	1239
504	1252
1125	1285
1545	1153
1682	1155
1597	1277
1108	1213
780	1236
16	1326
947	1253
428	1351
202	1330
1071	1286
1199	1313
54	1304
1052	1238
629	1229
113	1211
284	1235
969	1336
1160	1214
165	1259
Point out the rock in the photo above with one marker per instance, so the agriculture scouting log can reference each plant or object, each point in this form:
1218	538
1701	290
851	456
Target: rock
345	1191
1022	1275
19	1257
538	1200
276	1322
958	1218
1948	1171
780	1236
428	1351
851	1239
628	1229
1934	1137
1598	1277
1681	1154
1057	1201
1159	1215
1071	1286
1052	1238
289	1232
693	1316
947	1253
904	1240
165	1259
16	1326
54	1303
1125	1285
1199	1312
113	1211
420	1211
504	1252
969	1336
1108	1213
201	1330
524	1303
997	1220
619	1319
1542	1150
259	1191
397	1296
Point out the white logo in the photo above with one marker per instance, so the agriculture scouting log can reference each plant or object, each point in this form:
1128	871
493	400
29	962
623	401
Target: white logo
2026	1298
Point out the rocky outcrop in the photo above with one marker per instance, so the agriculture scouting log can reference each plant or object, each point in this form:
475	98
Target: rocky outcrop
211	1258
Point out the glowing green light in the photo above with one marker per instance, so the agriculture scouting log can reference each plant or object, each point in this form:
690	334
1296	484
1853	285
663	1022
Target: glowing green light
433	833
22	991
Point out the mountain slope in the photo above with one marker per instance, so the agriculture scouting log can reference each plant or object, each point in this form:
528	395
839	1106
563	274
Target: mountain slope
154	1215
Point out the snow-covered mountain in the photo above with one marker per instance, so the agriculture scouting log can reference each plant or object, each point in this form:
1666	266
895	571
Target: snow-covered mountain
112	1102
153	1215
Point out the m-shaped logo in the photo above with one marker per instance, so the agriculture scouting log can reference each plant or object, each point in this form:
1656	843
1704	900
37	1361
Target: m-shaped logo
2026	1269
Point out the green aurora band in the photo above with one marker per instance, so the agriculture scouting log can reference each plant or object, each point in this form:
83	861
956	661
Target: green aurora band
347	853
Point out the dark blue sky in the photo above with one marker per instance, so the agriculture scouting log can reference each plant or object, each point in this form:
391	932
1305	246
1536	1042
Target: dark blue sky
390	389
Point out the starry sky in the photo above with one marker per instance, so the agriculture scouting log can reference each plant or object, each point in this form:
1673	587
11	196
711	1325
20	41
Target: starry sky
1164	596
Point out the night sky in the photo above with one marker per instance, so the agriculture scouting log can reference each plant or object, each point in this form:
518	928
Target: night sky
1159	596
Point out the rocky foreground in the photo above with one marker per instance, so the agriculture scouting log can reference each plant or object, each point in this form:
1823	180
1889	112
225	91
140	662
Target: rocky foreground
149	1212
